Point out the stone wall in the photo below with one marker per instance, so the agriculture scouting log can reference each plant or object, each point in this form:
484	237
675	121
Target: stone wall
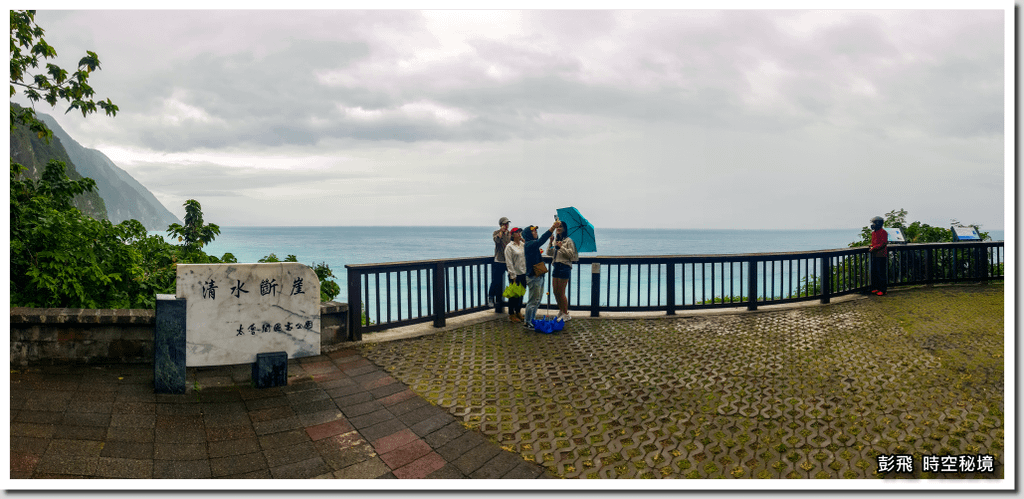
67	335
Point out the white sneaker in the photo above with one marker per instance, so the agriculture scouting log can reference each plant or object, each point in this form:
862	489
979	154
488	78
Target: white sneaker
566	317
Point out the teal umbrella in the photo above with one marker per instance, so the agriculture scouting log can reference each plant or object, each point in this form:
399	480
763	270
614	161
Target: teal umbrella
578	229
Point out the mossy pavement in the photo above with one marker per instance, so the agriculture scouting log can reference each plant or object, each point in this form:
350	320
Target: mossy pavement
811	392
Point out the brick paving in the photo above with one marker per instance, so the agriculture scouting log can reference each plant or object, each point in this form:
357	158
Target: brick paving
815	392
341	416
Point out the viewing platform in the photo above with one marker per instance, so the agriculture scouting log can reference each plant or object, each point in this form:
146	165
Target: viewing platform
795	392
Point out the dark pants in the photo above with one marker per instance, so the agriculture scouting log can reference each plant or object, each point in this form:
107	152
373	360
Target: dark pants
515	305
498	269
879	271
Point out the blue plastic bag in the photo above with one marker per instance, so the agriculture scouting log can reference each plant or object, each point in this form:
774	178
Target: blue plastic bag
548	326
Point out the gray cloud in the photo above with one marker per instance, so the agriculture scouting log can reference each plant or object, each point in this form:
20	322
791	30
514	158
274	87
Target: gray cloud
427	97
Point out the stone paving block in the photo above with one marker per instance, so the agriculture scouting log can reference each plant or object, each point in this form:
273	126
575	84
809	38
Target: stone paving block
397	397
127	450
271	413
180	435
446	434
238	464
38	417
261	474
179	451
32	430
266	403
371	468
80	432
226	419
408	405
370	419
315	406
219	433
420	468
29	445
338	458
349	390
283	439
475	458
420	414
290	454
387	390
382	429
459	446
277	425
308	468
317	418
86	419
74	448
432	424
121	407
524	470
405	454
391	442
237	447
307	396
498	466
94	406
115	467
352	411
447	472
129	434
328	429
23	465
133	420
179	409
65	464
181	469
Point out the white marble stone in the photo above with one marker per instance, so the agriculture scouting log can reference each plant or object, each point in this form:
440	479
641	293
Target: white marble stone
235	311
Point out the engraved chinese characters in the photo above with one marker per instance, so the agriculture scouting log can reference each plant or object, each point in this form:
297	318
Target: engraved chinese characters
235	311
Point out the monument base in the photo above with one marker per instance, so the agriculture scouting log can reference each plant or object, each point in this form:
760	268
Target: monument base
270	369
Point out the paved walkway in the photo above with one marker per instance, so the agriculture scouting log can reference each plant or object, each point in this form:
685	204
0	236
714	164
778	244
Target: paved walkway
810	392
340	416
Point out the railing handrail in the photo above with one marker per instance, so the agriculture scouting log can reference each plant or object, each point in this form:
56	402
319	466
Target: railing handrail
455	286
719	256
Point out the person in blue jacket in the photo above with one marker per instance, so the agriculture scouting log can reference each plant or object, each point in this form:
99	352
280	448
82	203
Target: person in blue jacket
534	283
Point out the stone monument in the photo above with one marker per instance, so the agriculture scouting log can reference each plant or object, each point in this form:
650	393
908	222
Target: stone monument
235	312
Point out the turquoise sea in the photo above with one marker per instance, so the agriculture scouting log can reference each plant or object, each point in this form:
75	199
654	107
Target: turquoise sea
340	246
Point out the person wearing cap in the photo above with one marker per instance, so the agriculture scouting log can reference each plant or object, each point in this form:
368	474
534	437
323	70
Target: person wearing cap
535	283
501	239
879	251
515	261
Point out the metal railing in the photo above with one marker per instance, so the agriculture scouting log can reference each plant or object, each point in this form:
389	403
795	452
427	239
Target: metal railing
403	293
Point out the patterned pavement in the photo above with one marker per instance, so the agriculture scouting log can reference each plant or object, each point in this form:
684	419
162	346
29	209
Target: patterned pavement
811	392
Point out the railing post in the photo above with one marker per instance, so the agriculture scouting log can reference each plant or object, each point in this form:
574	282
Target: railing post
440	307
670	294
355	305
497	279
595	289
826	279
928	267
751	285
981	270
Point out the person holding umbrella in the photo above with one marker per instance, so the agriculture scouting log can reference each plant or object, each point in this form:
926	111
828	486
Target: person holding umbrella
564	253
533	251
515	259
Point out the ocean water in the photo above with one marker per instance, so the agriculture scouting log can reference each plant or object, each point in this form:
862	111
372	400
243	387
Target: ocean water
340	246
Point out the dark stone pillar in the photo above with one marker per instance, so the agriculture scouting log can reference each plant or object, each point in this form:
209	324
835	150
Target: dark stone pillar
169	345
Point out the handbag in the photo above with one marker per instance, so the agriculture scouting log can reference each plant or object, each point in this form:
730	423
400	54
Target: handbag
539	269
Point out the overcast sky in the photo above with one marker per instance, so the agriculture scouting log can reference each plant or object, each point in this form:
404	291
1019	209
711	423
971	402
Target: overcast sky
728	119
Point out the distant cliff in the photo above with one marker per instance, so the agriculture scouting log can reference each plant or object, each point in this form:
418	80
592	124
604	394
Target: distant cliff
33	153
123	196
